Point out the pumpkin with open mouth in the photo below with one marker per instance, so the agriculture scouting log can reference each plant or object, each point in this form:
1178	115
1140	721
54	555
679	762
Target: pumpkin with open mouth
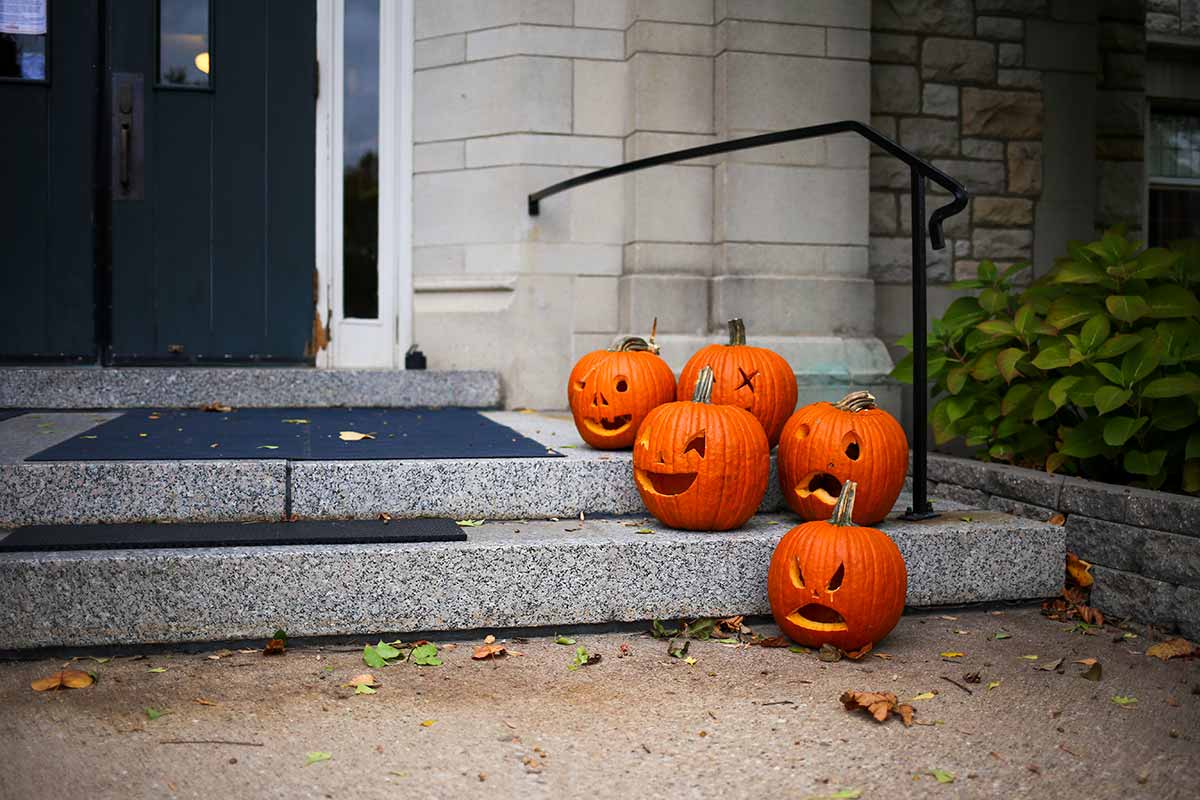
700	466
824	445
611	391
833	582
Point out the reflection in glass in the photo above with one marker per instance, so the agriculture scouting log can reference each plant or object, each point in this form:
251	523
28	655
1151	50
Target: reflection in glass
1174	145
183	57
360	161
23	56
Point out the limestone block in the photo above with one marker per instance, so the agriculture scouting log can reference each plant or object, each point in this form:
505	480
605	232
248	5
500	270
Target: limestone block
1002	211
1060	46
547	258
647	258
513	94
998	243
643	144
796	306
848	43
883	213
441	17
672	93
895	89
885	125
460	207
768	37
835	13
1119	113
745	258
1120	193
543	40
1162	23
601	102
1019	78
888	172
762	92
806	152
447	260
1123	37
669	37
521	148
891	261
761	204
1189	17
930	137
1010	55
948	17
958	60
939	100
1163	6
965	269
679	302
978	176
893	48
601	13
670	204
957	226
1004	114
1025	167
961	247
439	51
847	150
1001	28
596	304
671	11
983	148
438	156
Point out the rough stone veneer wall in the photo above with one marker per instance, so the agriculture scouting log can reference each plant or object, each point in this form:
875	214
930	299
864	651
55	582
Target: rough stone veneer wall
1145	545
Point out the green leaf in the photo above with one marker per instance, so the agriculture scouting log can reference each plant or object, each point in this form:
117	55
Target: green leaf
569	640
314	758
1139	362
1180	385
372	658
425	656
362	688
986	271
985	367
1025	318
1110	372
154	713
1082	392
1053	357
956	379
940	420
997	327
1084	440
1110	398
581	657
1058	391
1006	362
1094	332
1171	300
1173	414
1118	430
1153	263
157	669
957	407
993	301
1127	307
1077	272
1044	408
1191	477
903	371
385	650
1014	397
1069	310
1118	345
1193	446
942	776
1139	463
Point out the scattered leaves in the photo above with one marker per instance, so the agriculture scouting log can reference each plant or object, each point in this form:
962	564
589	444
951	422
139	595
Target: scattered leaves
425	655
492	651
1172	648
365	679
774	641
844	794
216	408
1094	671
1050	666
925	696
1001	635
313	758
643	530
468	523
381	655
1078	570
879	705
829	653
941	776
354	436
582	659
860	653
971	677
1030	658
952	654
154	713
202	701
276	646
992	685
157	669
658	631
563	640
63	679
1124	701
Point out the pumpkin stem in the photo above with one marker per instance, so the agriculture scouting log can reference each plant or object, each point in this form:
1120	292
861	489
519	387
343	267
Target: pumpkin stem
737	332
653	330
856	401
629	343
845	506
704	386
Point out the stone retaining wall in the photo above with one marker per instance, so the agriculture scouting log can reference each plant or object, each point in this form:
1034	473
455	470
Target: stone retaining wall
1145	545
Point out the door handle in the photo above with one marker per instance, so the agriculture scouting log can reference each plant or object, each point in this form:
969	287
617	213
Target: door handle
125	155
127	136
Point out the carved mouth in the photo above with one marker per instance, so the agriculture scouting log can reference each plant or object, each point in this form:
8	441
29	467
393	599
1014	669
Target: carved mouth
614	425
816	617
665	483
820	485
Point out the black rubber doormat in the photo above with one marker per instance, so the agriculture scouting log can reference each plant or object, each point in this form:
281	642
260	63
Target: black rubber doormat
325	434
9	413
229	534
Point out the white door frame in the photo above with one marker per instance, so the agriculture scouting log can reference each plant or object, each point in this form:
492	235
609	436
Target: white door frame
379	342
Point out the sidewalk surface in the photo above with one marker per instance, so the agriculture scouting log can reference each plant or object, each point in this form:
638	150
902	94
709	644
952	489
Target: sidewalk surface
739	722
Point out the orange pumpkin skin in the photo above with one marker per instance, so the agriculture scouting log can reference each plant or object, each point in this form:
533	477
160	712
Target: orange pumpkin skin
699	466
754	378
824	445
610	392
836	583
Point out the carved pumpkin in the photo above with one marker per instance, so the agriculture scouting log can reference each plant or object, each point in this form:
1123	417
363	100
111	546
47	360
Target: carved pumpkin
836	583
826	444
699	466
611	391
754	378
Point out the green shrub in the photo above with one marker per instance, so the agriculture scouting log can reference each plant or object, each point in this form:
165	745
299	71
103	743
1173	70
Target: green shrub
1092	370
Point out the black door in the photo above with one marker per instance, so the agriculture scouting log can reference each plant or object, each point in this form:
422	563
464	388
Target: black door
212	143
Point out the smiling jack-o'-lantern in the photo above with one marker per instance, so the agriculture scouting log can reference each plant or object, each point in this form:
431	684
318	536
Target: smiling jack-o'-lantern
611	391
754	378
826	444
836	583
699	466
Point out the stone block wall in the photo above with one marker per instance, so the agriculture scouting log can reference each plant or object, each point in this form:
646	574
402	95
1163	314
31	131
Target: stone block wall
1144	545
1173	18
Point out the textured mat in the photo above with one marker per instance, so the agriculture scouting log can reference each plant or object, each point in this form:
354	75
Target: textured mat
230	534
296	433
9	413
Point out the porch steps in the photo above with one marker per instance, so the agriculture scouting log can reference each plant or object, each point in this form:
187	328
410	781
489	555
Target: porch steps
508	574
246	387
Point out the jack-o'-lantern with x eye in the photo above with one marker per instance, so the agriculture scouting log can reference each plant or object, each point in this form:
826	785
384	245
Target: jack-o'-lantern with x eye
611	391
826	444
700	466
754	378
836	583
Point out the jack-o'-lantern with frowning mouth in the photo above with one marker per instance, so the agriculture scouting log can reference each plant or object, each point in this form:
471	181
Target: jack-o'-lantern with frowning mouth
611	391
835	582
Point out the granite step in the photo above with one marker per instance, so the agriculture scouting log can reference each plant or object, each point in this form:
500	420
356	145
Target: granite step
508	574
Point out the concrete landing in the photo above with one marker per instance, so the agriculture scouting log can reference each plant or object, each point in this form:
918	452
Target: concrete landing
508	574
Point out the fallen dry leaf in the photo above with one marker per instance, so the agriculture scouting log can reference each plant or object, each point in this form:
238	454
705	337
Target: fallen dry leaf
488	651
275	647
1078	570
201	701
489	639
63	679
365	679
1050	666
353	436
217	408
829	653
1087	662
856	655
774	641
878	704
952	654
1172	648
1057	519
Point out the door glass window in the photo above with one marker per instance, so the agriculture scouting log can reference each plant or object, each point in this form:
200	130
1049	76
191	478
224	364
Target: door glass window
23	39
183	43
1174	172
360	161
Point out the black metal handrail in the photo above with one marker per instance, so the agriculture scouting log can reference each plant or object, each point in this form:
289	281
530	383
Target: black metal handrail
919	170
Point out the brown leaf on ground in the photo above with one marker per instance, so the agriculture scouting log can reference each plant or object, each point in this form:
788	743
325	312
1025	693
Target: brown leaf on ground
216	408
1057	519
489	639
857	655
829	653
1172	648
201	701
63	679
774	641
972	677
1077	570
1092	616
878	704
275	647
1049	666
353	436
488	651
365	679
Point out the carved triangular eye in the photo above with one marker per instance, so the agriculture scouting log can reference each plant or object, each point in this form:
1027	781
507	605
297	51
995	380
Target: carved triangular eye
696	444
835	582
796	575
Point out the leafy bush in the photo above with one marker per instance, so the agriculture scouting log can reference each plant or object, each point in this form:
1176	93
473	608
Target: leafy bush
1091	370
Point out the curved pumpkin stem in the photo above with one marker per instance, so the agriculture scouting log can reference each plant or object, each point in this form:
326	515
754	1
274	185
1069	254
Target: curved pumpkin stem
856	401
737	332
704	386
633	343
845	506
